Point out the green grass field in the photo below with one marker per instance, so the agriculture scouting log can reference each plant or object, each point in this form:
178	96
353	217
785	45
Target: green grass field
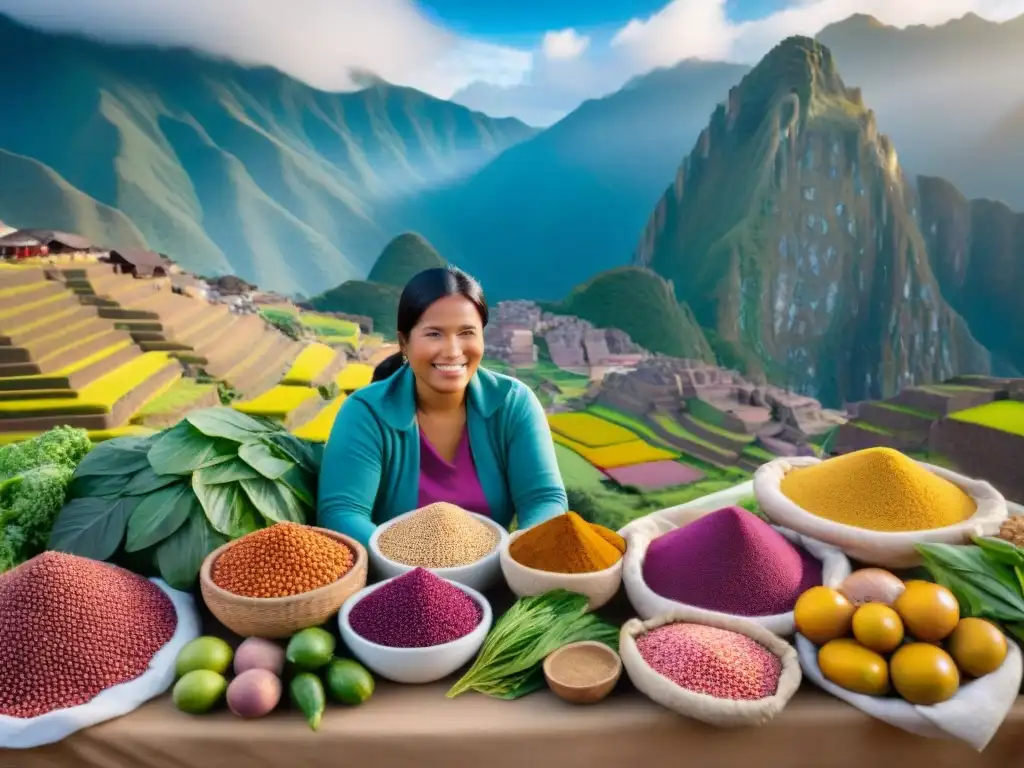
1002	415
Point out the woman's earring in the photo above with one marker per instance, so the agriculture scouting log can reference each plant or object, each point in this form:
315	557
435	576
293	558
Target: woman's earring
405	360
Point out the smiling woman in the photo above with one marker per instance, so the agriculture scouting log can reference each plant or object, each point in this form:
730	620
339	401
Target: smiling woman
435	427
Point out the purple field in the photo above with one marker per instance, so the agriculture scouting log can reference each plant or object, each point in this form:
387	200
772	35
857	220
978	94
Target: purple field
655	475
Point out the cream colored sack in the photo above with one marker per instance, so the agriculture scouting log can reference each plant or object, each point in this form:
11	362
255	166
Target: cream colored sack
973	715
723	713
647	603
888	550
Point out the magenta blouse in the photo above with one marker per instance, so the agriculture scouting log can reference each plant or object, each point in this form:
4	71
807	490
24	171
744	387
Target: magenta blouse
456	482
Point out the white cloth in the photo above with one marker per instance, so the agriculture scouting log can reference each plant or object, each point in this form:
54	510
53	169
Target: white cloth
973	715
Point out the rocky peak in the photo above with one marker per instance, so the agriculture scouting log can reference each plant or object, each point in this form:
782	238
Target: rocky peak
791	232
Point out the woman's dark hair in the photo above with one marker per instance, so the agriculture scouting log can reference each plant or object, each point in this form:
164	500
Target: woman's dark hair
419	293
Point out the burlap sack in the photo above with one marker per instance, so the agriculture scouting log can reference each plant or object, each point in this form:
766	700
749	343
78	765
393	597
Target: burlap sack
20	733
724	713
973	715
888	550
647	603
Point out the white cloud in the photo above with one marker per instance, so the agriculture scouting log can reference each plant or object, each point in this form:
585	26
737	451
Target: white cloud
565	44
317	41
702	29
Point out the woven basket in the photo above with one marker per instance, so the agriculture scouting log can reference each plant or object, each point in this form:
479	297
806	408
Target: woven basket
280	617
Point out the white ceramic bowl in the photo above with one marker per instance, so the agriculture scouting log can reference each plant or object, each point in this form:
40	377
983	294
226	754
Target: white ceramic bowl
481	575
415	665
599	586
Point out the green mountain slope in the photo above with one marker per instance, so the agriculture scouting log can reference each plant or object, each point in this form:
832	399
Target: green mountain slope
227	168
977	250
642	304
553	211
790	230
405	256
940	92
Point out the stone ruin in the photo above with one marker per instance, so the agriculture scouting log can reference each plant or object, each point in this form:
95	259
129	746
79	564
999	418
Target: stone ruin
573	344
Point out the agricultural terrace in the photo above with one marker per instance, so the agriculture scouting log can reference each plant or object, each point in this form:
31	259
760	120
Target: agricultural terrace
1001	415
328	329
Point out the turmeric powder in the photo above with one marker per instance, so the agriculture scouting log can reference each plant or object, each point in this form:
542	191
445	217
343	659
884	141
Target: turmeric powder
568	544
878	489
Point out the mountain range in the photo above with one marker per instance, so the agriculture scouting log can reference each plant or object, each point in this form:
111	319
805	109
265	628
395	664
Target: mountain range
793	241
224	168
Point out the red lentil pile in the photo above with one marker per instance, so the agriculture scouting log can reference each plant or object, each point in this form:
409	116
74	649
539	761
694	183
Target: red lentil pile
71	627
283	560
712	661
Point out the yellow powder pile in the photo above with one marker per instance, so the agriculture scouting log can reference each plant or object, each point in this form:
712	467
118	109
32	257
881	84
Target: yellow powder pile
878	489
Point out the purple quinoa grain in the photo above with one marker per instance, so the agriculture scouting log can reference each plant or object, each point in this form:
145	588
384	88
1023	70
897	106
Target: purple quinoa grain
415	610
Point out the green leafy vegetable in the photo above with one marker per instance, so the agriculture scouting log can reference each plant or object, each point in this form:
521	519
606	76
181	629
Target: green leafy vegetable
509	664
164	502
980	576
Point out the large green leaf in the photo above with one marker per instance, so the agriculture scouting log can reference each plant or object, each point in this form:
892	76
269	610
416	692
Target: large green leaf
158	515
115	457
228	424
274	501
146	481
183	449
227	508
265	459
230	471
298	450
302	484
91	527
181	555
96	485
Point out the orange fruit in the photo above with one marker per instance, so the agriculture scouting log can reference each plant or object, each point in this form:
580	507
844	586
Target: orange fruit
924	674
878	627
929	611
822	614
977	646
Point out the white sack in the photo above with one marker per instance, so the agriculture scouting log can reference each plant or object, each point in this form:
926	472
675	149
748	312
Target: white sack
973	715
887	550
647	603
22	733
723	713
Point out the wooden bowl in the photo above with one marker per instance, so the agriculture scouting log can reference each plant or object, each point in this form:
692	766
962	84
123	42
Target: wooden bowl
591	691
276	618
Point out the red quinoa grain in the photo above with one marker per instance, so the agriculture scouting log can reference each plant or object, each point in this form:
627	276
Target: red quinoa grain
712	661
71	627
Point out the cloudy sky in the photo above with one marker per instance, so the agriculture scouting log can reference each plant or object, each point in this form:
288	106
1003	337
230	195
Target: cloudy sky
534	59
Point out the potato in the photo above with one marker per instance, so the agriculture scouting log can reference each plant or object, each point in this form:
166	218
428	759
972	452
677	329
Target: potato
254	693
257	653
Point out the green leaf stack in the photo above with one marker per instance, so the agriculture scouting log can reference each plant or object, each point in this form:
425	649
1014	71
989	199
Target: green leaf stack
160	504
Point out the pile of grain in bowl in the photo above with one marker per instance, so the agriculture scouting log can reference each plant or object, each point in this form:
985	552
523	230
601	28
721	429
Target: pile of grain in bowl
283	560
878	489
415	610
70	628
439	535
732	562
715	662
568	544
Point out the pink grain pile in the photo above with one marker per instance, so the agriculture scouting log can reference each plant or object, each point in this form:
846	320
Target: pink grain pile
416	610
712	661
71	627
730	561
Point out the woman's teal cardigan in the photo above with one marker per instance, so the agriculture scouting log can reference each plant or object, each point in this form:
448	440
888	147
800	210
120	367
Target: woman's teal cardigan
371	465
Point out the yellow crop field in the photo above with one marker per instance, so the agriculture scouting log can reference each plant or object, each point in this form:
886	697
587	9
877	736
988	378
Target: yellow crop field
1001	415
277	402
318	429
589	430
310	363
620	455
102	394
354	376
